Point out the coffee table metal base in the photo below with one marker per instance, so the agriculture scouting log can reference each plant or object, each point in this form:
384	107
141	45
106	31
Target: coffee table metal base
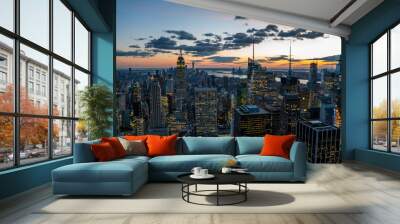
219	193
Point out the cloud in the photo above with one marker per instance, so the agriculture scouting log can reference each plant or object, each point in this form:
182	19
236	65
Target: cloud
217	38
271	28
268	31
299	34
278	58
262	60
278	38
281	57
160	51
228	38
162	43
311	35
134	46
262	33
141	38
202	48
181	34
222	59
136	53
240	18
251	30
214	43
332	58
240	40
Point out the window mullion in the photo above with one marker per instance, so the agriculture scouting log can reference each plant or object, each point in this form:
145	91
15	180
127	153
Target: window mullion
50	81
16	69
389	105
73	81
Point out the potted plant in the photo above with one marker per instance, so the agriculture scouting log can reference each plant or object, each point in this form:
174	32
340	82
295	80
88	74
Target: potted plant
96	104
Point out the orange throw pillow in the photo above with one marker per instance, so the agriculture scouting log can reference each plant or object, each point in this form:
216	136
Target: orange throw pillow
277	145
103	152
135	137
161	145
116	145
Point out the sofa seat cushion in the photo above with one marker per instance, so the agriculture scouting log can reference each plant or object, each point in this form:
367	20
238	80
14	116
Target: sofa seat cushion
133	157
112	171
185	163
257	163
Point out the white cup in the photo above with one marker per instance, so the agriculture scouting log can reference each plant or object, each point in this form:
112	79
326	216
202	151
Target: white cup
226	170
203	172
196	171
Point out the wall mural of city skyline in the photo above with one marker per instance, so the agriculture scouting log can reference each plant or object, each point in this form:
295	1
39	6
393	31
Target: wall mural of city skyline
194	72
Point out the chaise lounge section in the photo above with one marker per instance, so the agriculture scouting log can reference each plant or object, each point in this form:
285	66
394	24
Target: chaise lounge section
125	176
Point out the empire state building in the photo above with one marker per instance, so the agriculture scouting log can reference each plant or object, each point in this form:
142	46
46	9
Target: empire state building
181	85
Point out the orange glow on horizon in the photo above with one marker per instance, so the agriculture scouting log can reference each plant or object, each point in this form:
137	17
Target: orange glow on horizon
169	60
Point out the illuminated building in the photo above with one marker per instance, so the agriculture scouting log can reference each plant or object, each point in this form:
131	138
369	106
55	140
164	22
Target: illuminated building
322	141
249	120
242	93
156	116
137	125
313	75
291	112
175	124
205	111
273	120
327	110
180	84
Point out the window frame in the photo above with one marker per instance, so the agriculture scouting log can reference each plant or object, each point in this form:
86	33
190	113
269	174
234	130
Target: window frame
388	74
16	114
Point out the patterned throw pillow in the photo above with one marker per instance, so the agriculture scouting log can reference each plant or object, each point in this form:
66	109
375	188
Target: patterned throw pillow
136	147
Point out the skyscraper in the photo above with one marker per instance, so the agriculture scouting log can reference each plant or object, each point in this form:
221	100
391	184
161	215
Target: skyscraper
290	60
156	117
322	141
205	111
313	86
313	72
291	112
249	120
180	84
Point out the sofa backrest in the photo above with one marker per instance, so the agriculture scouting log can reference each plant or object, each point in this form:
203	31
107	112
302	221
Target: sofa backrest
83	152
249	145
207	145
190	146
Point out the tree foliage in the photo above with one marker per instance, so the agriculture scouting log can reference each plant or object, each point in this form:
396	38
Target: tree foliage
33	131
96	102
380	127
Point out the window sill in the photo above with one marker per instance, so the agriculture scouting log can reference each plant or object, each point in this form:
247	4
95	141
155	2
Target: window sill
377	158
30	166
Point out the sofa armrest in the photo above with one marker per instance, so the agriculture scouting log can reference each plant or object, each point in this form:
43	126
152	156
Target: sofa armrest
298	156
83	152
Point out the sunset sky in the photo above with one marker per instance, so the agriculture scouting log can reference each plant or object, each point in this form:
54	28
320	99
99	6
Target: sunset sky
150	34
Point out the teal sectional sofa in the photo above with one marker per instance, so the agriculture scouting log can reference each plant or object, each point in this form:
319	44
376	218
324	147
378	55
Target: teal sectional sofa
125	176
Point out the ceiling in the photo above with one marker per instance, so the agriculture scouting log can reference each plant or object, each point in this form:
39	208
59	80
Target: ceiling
327	16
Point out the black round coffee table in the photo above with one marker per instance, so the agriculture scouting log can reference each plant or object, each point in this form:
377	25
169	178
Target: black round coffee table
238	179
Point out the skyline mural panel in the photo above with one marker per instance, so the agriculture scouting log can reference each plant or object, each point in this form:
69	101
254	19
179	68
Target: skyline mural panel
193	72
